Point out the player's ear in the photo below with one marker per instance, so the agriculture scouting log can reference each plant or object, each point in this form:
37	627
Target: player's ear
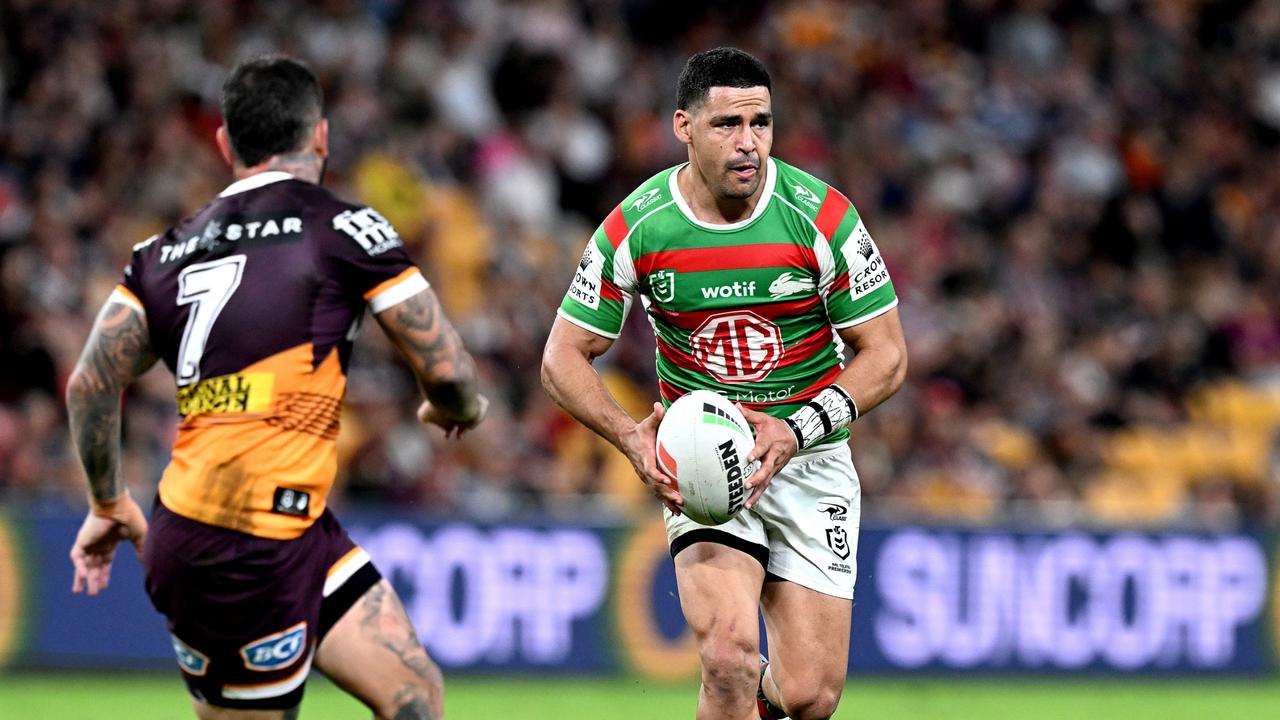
682	125
224	145
320	138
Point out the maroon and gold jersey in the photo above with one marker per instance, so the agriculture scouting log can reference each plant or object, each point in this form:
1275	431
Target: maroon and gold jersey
253	303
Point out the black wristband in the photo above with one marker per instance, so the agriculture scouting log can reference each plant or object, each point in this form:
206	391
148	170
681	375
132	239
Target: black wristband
827	412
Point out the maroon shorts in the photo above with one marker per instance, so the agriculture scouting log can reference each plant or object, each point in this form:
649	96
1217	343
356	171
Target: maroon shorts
246	613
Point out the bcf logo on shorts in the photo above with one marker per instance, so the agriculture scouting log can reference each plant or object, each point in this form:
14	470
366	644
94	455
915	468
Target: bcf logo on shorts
277	650
191	660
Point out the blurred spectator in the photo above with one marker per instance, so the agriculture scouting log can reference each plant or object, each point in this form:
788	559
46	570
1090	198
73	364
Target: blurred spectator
1078	201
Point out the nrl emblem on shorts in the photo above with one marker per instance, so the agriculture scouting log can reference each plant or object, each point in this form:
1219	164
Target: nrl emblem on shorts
838	541
663	283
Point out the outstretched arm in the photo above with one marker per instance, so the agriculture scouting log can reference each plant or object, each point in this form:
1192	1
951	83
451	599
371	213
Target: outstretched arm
570	380
118	351
445	371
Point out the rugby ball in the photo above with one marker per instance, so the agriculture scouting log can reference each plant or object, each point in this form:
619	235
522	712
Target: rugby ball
703	442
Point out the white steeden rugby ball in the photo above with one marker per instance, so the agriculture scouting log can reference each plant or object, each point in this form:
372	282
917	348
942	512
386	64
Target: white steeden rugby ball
703	442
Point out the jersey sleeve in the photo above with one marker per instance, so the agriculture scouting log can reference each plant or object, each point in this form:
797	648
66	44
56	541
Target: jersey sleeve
129	290
605	281
859	287
358	247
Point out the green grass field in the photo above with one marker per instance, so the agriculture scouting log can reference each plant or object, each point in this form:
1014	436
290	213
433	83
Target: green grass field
160	697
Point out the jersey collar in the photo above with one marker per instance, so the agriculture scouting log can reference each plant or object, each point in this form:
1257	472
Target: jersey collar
765	194
255	181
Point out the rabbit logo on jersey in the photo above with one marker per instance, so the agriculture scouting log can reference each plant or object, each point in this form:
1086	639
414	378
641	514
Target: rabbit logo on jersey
277	650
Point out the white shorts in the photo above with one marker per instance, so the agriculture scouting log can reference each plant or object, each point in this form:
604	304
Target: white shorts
804	529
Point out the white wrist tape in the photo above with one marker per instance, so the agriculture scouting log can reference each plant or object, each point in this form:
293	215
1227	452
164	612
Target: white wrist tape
828	411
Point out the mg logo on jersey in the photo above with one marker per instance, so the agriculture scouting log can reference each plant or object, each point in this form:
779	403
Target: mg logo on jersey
663	283
737	347
277	650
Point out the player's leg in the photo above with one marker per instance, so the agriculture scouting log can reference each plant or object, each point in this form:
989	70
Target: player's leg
373	653
719	593
808	649
812	513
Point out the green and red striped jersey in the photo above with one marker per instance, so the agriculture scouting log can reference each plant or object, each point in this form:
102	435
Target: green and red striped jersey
745	309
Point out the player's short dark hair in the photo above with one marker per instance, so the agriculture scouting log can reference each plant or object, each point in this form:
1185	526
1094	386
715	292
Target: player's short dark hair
269	105
720	67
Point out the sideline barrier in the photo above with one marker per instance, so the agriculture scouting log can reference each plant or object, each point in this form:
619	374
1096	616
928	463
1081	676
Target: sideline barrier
553	598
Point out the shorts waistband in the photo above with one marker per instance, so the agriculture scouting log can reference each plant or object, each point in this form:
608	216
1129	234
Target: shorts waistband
819	452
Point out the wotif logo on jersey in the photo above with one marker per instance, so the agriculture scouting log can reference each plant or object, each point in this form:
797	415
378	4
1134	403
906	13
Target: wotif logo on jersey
277	650
737	347
736	289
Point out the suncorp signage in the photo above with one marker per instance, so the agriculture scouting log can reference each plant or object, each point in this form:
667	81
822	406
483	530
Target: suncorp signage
507	596
1068	601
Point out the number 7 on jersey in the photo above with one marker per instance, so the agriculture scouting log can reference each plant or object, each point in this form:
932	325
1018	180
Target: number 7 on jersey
206	287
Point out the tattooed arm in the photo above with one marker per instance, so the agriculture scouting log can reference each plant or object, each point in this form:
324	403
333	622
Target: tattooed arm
118	350
444	368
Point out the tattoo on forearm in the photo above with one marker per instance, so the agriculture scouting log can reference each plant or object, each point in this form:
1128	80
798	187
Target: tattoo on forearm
431	344
118	350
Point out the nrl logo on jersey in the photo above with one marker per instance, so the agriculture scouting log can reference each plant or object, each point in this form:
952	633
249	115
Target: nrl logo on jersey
788	284
663	285
646	199
806	196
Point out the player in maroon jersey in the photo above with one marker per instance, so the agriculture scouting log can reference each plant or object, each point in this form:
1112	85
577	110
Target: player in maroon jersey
252	303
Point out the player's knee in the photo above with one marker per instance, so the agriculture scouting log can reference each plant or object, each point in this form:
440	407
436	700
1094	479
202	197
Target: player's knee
816	702
415	701
421	696
730	667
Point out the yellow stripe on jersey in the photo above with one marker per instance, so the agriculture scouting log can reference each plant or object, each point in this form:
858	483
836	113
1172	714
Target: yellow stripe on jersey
235	393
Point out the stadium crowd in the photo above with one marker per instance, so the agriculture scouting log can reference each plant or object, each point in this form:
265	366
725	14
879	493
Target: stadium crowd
1079	203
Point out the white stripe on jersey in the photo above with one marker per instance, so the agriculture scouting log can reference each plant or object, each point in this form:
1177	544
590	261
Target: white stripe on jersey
398	293
589	328
869	316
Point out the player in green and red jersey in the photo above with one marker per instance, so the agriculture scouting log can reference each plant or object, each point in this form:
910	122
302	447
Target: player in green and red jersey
754	275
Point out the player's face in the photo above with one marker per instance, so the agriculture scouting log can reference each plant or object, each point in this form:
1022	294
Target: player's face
729	137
